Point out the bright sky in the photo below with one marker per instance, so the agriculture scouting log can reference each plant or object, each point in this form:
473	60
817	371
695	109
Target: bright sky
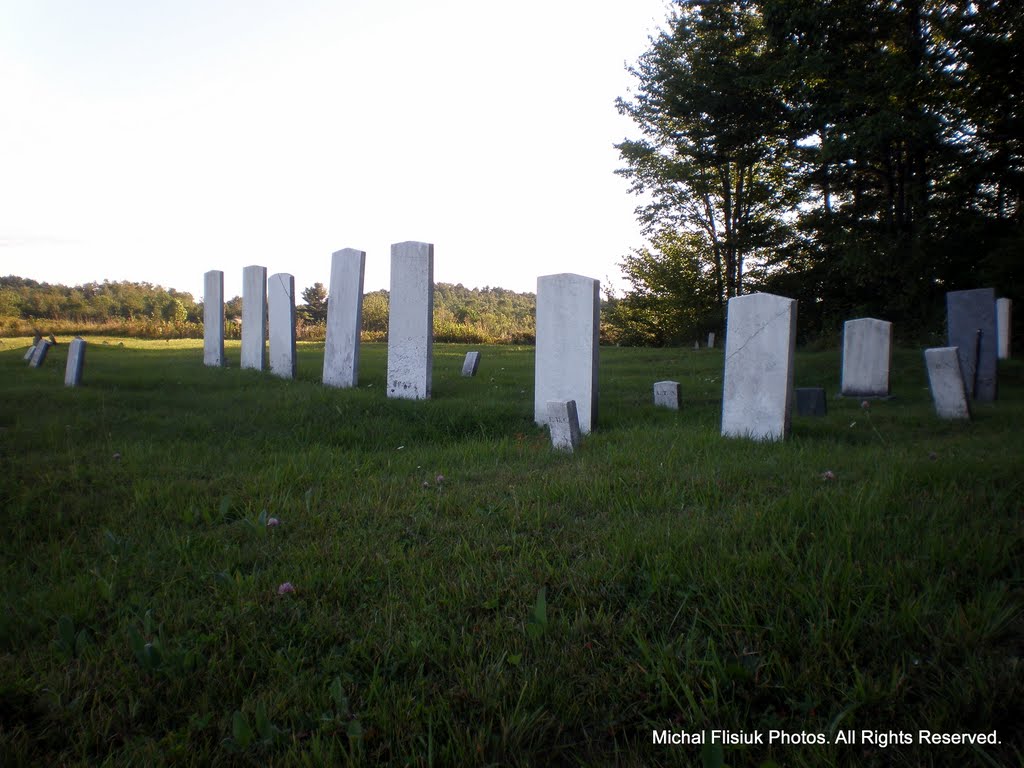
153	141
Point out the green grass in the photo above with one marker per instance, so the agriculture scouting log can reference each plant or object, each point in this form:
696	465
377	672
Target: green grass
530	608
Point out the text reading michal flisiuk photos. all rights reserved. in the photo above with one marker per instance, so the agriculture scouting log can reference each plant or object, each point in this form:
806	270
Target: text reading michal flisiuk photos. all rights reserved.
881	739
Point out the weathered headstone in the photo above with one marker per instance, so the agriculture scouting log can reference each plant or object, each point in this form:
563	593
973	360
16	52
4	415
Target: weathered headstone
254	317
867	357
1004	309
810	401
39	356
213	318
344	318
565	368
947	383
411	321
76	363
711	340
666	394
971	325
29	353
696	345
281	298
470	364
564	423
760	342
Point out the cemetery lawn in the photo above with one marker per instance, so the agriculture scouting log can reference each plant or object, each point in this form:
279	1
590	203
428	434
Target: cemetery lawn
464	596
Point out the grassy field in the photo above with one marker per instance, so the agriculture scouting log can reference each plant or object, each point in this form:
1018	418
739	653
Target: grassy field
464	596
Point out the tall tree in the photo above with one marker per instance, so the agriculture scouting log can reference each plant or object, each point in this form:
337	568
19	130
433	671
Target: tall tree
315	308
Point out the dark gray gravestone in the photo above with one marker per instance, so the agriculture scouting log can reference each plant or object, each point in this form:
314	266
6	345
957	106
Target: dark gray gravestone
971	325
810	401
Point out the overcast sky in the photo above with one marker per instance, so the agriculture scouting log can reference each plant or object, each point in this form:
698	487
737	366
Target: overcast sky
153	141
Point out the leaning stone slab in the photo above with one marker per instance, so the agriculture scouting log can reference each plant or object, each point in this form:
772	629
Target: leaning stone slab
254	317
971	325
867	357
281	298
666	394
470	364
946	381
76	363
29	352
344	318
568	308
810	401
411	321
564	423
1003	314
760	342
39	356
213	318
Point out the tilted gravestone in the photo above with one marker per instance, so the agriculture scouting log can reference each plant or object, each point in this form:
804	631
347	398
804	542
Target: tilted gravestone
810	401
213	318
946	381
344	318
867	357
29	352
470	364
1004	309
411	321
254	317
39	356
971	325
567	329
281	299
666	394
757	387
563	421
76	363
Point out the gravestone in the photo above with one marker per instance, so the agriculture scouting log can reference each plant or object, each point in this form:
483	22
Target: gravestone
76	363
344	318
29	352
39	356
666	394
565	367
411	321
971	325
810	401
946	381
757	387
254	317
470	364
867	357
696	345
213	318
711	340
1003	315
564	423
281	298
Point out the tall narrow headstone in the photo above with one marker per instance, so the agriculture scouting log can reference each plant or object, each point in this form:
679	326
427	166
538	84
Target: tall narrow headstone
568	308
711	340
867	357
1003	315
411	321
971	324
946	381
213	318
254	317
344	318
564	423
281	298
76	363
760	342
666	394
39	356
470	364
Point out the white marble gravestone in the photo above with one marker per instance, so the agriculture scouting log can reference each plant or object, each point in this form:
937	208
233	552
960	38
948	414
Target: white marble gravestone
1004	311
564	423
76	363
39	355
254	317
213	318
867	357
29	353
666	394
757	389
711	340
344	318
411	321
971	328
470	364
281	300
946	381
568	308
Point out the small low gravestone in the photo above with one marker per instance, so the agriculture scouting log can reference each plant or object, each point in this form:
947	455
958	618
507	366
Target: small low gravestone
971	325
711	340
867	357
696	345
666	394
39	357
29	352
1003	314
76	363
470	364
564	423
281	295
946	383
810	401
